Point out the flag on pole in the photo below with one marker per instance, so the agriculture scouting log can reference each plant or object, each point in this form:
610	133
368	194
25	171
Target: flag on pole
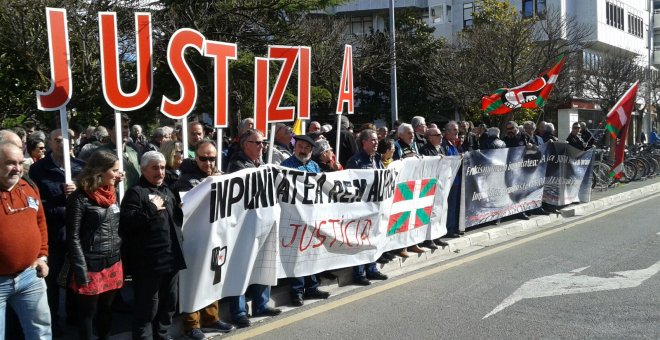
532	94
297	128
617	122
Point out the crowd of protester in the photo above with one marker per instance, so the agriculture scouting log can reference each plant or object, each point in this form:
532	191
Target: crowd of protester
94	241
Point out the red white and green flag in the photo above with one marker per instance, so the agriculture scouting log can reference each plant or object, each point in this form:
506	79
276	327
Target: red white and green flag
617	122
532	94
412	205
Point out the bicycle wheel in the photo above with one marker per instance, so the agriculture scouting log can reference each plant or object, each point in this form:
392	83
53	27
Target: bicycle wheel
629	172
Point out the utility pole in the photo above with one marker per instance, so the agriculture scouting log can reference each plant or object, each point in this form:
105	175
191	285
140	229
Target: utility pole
393	92
649	83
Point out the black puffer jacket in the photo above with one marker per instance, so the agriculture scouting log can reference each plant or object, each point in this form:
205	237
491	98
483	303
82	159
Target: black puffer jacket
92	233
239	162
153	238
190	176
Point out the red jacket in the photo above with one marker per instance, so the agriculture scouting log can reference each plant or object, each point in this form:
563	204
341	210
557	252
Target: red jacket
23	232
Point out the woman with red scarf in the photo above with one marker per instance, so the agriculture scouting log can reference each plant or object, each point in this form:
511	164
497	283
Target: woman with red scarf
93	243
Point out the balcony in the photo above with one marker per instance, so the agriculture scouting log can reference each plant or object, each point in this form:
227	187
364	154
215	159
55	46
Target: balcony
656	19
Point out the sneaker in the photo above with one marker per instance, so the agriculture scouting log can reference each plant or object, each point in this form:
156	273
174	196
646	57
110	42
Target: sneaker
242	322
219	326
316	294
376	276
268	311
195	334
362	281
297	301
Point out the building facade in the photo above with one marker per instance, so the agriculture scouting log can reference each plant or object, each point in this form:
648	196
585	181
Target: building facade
617	26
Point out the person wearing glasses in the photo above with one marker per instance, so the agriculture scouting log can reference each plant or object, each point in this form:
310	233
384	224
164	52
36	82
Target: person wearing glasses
574	139
48	175
513	137
193	172
23	248
251	144
93	244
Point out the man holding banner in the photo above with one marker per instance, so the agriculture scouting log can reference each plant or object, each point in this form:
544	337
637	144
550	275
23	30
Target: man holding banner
368	158
251	144
304	287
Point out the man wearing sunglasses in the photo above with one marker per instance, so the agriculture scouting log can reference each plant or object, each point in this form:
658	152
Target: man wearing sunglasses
23	248
251	144
193	172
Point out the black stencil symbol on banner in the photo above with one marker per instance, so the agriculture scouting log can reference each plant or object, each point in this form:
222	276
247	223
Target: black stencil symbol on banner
218	258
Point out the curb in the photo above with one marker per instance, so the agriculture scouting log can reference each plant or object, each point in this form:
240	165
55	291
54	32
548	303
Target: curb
472	240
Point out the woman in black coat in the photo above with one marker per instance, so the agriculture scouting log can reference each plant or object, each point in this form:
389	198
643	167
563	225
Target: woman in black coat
93	242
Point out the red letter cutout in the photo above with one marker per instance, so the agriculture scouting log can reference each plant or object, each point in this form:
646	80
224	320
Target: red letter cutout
221	53
288	55
304	82
110	80
261	95
346	84
176	48
59	93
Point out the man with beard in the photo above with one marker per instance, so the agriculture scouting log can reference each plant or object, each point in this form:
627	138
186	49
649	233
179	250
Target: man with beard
304	287
513	137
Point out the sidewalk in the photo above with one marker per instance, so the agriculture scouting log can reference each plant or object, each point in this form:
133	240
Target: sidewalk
474	239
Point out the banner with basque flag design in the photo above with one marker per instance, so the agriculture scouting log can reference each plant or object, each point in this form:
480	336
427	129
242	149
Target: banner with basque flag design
532	94
617	122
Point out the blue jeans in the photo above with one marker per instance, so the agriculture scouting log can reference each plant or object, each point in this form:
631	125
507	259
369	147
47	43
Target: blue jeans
260	295
26	294
359	272
305	283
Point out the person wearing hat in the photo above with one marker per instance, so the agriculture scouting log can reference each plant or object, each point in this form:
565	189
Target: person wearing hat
304	287
325	157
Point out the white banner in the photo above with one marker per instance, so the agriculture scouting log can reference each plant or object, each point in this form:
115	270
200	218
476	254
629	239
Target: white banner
257	225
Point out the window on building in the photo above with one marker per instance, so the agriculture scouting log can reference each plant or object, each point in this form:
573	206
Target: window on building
441	14
468	9
614	15
635	25
532	8
361	25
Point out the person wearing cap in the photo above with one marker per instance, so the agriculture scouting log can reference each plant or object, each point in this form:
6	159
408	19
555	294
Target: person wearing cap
325	157
304	287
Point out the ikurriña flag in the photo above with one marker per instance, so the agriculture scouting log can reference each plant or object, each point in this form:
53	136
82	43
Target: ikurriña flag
532	94
618	120
412	205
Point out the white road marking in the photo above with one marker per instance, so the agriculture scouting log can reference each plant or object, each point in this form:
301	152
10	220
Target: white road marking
572	283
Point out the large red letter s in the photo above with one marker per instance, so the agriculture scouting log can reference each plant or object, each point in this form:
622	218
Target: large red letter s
176	49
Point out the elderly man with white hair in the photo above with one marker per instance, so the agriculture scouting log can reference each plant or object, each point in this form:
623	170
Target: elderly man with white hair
150	225
405	146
